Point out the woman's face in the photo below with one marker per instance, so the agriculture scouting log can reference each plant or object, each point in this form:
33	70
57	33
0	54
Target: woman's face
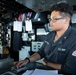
57	21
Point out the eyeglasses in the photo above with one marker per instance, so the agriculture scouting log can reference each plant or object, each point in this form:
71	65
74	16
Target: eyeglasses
56	19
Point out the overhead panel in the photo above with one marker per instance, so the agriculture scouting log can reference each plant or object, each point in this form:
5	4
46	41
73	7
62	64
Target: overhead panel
43	5
37	5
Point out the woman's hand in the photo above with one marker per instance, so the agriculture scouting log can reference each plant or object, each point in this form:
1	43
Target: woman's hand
44	62
21	63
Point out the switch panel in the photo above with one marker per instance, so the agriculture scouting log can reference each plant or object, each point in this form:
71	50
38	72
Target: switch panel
36	46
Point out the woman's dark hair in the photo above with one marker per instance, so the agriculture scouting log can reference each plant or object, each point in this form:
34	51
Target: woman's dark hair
63	8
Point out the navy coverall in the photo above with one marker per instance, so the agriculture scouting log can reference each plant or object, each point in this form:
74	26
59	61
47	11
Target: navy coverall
63	51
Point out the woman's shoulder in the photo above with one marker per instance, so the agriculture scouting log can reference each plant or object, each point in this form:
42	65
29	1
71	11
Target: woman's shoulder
51	33
73	31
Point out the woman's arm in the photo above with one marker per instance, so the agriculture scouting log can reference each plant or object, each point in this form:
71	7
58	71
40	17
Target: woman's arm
32	58
52	65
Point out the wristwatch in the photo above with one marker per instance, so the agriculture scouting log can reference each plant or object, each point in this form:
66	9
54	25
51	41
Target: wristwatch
27	59
46	63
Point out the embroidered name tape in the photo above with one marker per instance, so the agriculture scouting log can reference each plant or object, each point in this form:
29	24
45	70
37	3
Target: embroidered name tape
61	49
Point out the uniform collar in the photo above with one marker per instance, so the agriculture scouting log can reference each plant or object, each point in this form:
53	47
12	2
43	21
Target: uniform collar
63	37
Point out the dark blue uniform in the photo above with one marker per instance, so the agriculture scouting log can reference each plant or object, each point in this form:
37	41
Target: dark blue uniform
63	51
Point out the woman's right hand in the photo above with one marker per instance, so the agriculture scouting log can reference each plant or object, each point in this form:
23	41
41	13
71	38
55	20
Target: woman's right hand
21	63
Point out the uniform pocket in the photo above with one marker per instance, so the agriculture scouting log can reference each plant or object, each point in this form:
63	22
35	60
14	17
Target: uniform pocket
61	57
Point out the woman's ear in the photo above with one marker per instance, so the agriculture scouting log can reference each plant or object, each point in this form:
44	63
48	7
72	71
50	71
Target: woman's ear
67	20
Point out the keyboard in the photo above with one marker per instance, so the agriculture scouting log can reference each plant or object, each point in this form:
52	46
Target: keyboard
24	68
